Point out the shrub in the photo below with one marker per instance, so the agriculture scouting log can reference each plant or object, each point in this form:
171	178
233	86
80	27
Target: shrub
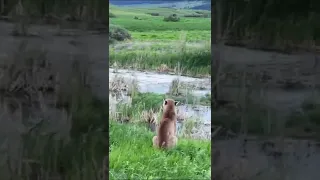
154	14
193	15
118	33
196	15
137	18
172	18
111	15
204	14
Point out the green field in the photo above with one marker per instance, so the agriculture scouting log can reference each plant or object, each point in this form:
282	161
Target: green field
146	22
156	43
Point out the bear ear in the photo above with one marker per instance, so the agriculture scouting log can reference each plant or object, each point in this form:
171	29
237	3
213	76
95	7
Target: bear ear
176	103
165	102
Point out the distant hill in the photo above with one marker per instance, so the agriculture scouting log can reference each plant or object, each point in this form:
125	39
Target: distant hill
194	4
206	6
134	2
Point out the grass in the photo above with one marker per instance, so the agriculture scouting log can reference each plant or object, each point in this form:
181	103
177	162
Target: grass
171	35
150	100
125	18
157	24
133	157
155	42
153	101
193	61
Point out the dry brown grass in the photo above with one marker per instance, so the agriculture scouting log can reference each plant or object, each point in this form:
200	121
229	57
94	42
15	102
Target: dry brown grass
150	117
120	86
163	68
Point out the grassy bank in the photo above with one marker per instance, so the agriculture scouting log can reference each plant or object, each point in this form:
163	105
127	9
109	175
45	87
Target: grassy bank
133	157
151	43
187	61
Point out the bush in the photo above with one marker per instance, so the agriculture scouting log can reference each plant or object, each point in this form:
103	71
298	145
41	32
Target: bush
197	15
137	18
154	14
172	18
118	33
194	15
111	15
205	14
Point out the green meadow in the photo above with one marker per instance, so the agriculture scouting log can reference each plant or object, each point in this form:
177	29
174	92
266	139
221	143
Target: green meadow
146	22
185	42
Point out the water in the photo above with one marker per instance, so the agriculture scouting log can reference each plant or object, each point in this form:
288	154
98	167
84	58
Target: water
160	83
197	111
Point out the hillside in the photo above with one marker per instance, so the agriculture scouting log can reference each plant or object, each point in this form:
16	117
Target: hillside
196	5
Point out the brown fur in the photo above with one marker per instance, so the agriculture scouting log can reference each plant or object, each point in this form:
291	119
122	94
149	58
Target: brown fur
166	134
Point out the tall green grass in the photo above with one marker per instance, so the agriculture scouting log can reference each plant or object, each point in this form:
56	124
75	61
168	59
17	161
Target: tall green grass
171	35
191	61
157	24
133	157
